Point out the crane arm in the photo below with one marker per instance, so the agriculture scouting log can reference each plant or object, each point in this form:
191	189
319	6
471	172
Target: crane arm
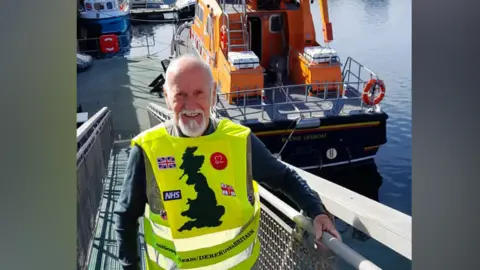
327	26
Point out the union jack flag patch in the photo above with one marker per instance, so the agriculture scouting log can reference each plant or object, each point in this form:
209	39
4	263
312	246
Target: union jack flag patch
165	163
163	214
228	190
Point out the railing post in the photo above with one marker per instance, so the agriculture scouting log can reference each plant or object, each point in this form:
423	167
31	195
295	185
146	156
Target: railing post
148	47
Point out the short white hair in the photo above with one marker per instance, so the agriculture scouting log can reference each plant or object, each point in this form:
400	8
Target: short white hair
173	67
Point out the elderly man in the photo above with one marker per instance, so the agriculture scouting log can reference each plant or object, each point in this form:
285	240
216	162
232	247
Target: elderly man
194	181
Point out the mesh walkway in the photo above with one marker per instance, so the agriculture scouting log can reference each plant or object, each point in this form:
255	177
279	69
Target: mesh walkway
104	253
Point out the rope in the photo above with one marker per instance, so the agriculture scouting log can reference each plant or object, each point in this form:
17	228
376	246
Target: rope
291	134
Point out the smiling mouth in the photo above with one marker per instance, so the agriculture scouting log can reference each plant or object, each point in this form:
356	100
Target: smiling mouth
191	115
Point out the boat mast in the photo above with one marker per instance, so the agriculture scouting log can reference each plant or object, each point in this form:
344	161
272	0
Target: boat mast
327	25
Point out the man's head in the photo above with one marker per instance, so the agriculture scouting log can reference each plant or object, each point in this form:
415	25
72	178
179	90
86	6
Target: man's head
189	94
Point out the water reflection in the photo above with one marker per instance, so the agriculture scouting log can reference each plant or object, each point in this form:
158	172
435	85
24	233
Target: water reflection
376	10
363	179
142	29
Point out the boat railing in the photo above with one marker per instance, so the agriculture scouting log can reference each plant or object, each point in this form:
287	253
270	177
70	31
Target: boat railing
273	99
287	236
147	4
354	70
124	41
226	23
327	96
95	139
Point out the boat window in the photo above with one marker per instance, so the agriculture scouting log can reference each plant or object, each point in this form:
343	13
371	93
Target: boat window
99	6
208	26
109	5
199	13
275	23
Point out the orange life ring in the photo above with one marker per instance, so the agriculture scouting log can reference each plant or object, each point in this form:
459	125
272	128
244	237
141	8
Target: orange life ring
223	37
368	89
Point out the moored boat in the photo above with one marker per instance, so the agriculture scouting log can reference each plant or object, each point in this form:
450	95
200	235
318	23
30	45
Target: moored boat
271	74
104	11
105	27
185	8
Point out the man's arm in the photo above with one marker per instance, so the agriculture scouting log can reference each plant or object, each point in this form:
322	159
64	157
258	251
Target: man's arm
266	169
130	206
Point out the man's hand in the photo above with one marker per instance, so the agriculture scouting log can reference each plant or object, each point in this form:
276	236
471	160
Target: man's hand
323	223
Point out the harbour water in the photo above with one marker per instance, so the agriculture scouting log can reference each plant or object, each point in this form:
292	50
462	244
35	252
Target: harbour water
378	34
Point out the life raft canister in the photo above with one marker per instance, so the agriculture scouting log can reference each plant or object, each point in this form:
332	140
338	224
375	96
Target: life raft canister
109	43
368	89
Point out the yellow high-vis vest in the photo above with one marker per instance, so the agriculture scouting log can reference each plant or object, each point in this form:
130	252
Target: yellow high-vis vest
203	208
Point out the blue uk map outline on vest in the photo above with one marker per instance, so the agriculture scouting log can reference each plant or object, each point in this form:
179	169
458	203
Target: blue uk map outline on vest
204	210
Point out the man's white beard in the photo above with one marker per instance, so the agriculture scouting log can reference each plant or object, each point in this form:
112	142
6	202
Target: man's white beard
192	128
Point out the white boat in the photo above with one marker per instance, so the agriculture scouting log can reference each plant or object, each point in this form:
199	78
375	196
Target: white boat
150	4
104	9
185	5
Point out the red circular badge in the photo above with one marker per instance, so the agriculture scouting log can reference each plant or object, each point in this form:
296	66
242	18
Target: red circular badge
219	161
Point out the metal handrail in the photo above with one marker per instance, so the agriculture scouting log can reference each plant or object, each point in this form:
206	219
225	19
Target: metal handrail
225	15
94	141
83	129
333	243
121	45
88	131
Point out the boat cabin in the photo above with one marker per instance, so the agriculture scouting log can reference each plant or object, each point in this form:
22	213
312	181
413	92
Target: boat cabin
103	9
264	43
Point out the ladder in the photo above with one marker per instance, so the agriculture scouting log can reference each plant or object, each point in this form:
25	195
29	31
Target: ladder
238	38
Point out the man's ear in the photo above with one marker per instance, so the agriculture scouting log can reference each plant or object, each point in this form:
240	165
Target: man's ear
214	95
214	99
167	98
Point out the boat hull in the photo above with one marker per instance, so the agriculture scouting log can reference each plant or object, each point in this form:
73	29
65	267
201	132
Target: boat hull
91	30
107	25
94	16
337	141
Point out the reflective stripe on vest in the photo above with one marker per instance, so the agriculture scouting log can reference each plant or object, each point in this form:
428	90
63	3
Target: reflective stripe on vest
205	219
232	262
196	242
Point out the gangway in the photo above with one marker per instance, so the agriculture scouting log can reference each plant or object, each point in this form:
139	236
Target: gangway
285	234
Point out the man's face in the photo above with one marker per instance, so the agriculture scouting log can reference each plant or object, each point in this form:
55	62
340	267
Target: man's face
189	97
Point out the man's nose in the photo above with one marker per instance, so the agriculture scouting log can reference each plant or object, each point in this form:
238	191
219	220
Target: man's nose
191	103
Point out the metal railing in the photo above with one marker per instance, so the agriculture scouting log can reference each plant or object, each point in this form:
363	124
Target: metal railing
269	98
350	89
125	45
287	246
145	4
94	142
226	20
364	74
